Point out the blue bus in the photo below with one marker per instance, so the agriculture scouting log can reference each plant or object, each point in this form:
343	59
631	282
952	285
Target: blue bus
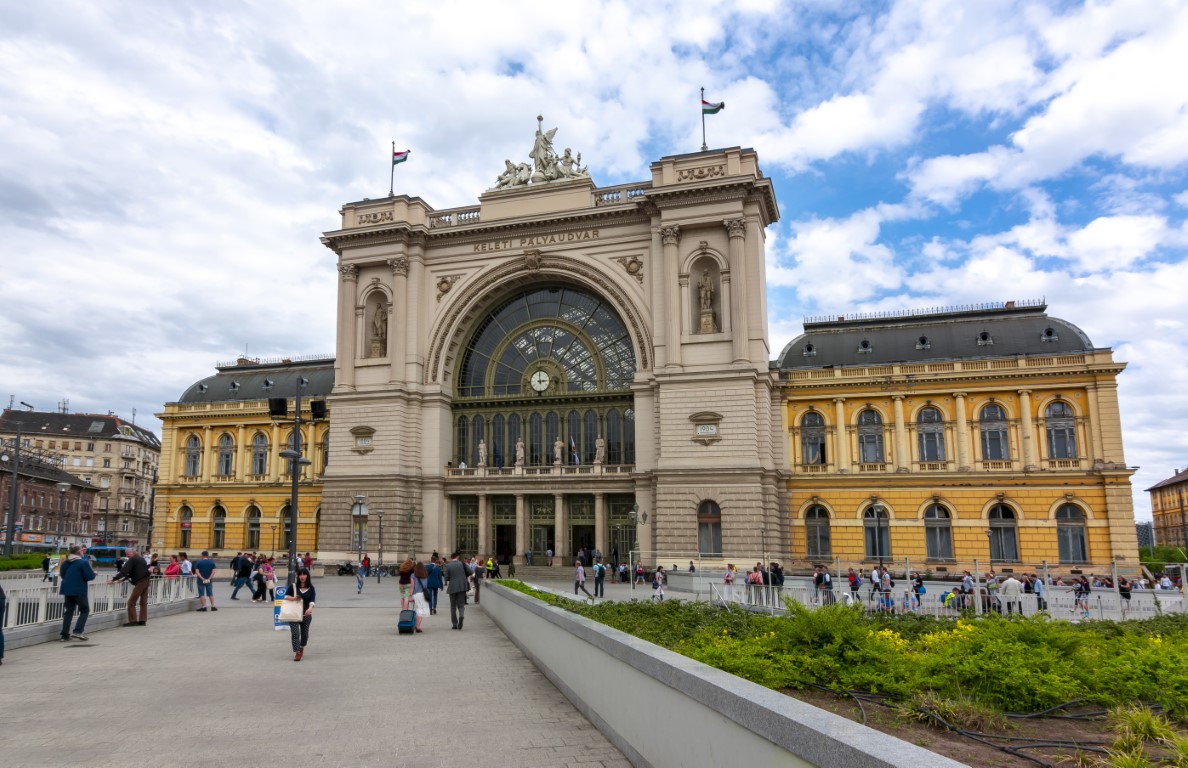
105	555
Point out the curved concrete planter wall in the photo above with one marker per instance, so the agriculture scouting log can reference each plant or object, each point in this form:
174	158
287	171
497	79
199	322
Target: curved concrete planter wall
663	709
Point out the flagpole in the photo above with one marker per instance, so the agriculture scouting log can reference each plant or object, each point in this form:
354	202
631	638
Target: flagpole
704	147
392	165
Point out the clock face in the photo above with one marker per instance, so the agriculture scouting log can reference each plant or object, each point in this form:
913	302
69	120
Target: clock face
540	381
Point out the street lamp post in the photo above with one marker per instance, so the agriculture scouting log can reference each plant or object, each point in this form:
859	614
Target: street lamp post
62	488
379	572
152	508
296	462
14	459
359	513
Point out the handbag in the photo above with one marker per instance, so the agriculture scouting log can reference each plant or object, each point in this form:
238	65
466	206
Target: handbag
421	603
292	610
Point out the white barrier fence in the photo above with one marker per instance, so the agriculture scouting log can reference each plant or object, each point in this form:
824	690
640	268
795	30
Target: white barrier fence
35	604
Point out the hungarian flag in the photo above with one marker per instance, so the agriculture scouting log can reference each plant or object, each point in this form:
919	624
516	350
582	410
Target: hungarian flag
400	157
708	108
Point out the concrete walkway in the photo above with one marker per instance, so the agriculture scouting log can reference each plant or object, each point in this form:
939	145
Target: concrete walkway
221	688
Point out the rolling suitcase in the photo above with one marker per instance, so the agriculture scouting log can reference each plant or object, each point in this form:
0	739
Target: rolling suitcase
407	623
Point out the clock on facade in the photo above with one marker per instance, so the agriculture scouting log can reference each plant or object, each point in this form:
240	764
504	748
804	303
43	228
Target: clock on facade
540	381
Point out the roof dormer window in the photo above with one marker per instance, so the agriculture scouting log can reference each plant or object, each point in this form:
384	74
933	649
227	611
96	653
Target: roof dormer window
809	350
1049	334
985	339
923	343
864	347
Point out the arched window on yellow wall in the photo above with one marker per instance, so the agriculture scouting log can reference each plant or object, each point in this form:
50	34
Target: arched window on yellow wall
877	525
816	533
938	532
218	532
812	438
1061	425
870	437
996	444
1004	540
226	456
1070	534
930	429
193	456
186	517
253	528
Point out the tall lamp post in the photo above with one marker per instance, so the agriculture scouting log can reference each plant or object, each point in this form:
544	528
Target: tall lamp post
62	488
637	517
877	510
412	518
277	408
152	508
358	515
12	459
379	572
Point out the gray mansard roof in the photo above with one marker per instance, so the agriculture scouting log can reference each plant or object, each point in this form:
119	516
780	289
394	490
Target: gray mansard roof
244	380
988	330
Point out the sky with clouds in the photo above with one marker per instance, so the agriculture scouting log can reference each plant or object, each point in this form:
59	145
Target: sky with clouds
165	170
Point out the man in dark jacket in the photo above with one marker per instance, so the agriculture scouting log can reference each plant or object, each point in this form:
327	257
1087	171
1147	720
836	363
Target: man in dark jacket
76	574
457	582
243	574
136	571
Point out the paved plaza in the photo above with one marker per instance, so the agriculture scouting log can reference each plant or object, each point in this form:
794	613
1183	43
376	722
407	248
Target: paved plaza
222	688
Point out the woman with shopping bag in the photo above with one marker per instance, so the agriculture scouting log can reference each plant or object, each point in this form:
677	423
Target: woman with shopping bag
297	610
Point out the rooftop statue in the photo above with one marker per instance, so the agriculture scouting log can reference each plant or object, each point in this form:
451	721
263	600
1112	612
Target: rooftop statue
546	164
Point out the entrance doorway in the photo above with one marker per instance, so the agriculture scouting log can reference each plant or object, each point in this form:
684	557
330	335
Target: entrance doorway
505	543
582	538
542	542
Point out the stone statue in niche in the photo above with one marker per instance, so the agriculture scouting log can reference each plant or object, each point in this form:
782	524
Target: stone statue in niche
379	332
519	452
599	450
705	298
482	453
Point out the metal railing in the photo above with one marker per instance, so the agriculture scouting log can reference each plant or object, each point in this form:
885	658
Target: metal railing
41	604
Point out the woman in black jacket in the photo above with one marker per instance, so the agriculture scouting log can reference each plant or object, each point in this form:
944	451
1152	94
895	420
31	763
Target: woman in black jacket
303	591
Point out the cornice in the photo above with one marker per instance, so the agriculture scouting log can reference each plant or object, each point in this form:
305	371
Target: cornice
908	382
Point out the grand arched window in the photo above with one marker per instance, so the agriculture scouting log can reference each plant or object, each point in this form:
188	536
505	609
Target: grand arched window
259	454
870	437
557	362
226	456
193	456
816	533
938	533
1070	534
253	528
218	534
930	430
186	521
709	529
996	444
877	525
1062	430
1004	539
812	438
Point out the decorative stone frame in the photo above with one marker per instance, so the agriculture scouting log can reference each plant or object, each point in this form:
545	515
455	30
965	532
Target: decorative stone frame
706	427
363	440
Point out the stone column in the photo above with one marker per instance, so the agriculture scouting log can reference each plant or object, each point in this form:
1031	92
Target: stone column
739	330
671	236
903	457
396	339
601	542
344	361
484	532
841	450
274	461
560	528
243	458
963	464
210	456
415	294
1093	423
522	528
1028	436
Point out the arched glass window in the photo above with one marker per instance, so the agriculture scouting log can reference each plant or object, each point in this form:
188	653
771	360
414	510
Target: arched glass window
1070	534
614	437
463	441
938	533
186	517
259	454
286	527
226	456
325	450
877	525
253	528
358	527
930	430
629	436
1004	540
870	437
573	446
816	533
499	448
1062	431
478	431
193	456
590	435
218	534
709	528
812	438
552	432
514	435
564	331
996	444
535	440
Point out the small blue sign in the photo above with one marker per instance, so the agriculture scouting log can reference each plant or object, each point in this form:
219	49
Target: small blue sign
276	606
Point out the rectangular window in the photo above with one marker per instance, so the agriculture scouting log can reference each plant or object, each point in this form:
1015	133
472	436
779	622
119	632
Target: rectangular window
107	447
90	446
938	542
709	538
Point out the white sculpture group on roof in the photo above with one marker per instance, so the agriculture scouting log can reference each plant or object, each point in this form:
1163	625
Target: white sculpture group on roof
546	164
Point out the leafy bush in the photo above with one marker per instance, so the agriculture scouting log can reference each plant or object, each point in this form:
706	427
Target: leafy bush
21	562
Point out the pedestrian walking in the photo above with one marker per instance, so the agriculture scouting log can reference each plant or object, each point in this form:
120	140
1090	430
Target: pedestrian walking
3	601
420	586
136	573
580	578
456	586
599	578
475	572
436	581
1010	593
243	575
405	580
728	583
304	591
76	574
205	568
658	584
366	563
45	566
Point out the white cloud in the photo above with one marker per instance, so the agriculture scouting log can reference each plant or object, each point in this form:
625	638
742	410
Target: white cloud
1115	242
